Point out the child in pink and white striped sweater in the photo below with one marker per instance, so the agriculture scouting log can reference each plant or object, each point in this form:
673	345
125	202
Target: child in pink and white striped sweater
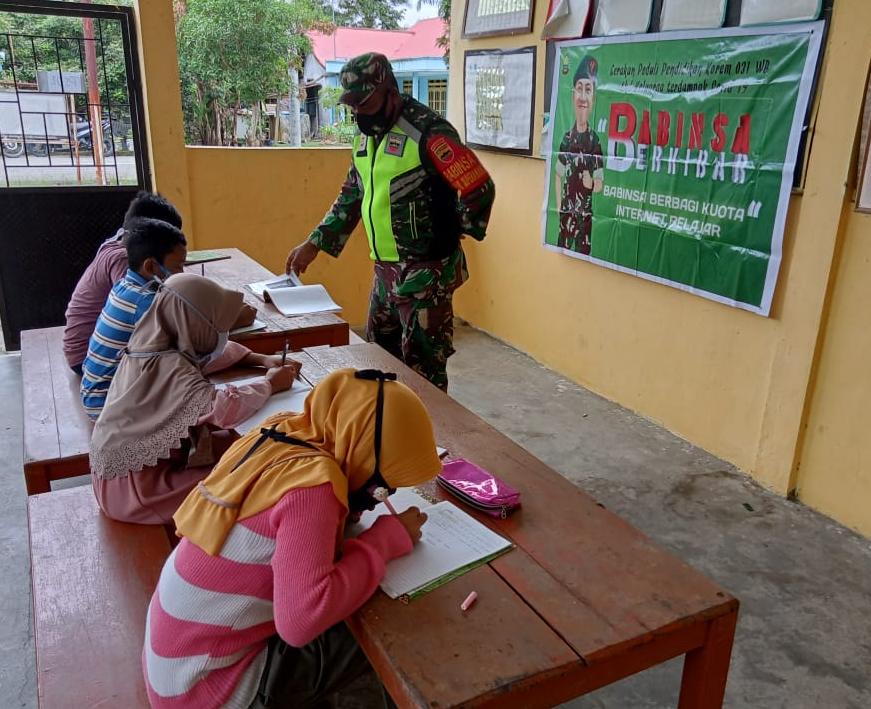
249	607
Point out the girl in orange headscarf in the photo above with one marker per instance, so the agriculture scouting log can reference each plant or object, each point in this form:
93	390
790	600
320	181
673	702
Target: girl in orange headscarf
164	424
249	606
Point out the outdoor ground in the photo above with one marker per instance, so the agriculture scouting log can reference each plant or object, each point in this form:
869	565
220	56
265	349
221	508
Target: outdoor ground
804	632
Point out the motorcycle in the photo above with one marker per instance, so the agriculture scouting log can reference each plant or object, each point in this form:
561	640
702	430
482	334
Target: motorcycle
83	137
14	147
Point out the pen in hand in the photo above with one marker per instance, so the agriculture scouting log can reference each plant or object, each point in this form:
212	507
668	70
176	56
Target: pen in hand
284	353
381	495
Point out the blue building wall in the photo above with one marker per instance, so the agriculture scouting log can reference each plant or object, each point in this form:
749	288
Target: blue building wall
419	71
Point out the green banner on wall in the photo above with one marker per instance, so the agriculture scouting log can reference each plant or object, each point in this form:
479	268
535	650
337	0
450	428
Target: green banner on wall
671	156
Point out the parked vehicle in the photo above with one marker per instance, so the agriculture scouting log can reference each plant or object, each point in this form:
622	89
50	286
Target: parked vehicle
84	137
35	120
39	122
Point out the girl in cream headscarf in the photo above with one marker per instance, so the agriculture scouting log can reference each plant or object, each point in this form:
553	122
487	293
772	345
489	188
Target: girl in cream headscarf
164	424
249	606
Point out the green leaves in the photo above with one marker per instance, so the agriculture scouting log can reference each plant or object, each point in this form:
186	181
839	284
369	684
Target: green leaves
381	14
234	54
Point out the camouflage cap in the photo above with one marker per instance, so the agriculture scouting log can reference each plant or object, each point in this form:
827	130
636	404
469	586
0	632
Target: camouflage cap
587	69
362	75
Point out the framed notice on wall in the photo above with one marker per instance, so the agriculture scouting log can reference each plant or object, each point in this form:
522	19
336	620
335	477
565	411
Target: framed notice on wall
499	89
863	189
493	17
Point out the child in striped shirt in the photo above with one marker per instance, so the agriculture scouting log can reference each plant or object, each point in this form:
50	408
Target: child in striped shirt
107	268
154	249
249	607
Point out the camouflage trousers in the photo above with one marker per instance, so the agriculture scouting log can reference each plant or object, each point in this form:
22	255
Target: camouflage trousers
411	314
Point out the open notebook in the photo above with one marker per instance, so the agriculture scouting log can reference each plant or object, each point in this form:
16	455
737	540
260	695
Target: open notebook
291	297
291	400
255	326
452	543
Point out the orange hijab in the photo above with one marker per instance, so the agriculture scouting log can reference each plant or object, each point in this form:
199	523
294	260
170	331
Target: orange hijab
339	421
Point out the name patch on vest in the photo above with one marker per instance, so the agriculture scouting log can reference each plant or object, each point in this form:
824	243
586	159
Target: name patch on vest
395	144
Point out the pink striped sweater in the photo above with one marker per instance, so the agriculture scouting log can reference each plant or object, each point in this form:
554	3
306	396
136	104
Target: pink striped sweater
211	616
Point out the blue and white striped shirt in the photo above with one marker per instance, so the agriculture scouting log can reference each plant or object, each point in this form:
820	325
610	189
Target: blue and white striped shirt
127	302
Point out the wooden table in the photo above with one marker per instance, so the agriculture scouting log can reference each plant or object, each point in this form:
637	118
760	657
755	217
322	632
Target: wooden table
57	432
300	331
584	600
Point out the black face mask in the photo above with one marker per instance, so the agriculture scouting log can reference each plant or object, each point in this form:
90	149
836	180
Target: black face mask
364	498
373	125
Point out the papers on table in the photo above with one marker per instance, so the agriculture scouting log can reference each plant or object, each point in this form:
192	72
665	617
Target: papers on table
452	543
277	282
253	327
302	300
291	297
292	400
198	257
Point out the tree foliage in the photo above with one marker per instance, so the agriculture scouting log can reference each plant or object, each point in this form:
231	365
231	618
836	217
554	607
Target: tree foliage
51	42
380	14
234	55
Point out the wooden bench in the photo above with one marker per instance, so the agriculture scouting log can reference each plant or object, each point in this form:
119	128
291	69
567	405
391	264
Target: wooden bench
56	430
582	601
92	581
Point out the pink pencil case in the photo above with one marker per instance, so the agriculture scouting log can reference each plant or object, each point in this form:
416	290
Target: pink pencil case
478	488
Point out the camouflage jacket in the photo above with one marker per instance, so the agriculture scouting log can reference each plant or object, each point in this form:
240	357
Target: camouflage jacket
454	196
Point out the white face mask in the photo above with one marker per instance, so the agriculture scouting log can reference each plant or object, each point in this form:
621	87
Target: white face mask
223	338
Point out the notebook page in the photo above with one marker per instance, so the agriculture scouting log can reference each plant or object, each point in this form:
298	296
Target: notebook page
302	300
451	541
274	282
402	499
291	400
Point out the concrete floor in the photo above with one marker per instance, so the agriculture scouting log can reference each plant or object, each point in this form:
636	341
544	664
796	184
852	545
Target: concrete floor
804	633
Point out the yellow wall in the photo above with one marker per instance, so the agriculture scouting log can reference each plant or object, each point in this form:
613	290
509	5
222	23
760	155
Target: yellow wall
163	117
834	473
267	200
784	398
730	381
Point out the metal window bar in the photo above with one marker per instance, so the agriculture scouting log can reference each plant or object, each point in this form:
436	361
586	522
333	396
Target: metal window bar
108	102
133	110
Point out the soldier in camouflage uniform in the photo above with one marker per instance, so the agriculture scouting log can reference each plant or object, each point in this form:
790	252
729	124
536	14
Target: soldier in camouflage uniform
580	164
418	190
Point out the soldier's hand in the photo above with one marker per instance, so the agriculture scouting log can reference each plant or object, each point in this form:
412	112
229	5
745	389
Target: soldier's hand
587	179
299	259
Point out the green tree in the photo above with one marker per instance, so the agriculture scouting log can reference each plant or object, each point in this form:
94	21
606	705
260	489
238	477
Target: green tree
234	55
380	14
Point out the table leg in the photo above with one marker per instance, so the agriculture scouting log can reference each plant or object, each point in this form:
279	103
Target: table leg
706	668
36	479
